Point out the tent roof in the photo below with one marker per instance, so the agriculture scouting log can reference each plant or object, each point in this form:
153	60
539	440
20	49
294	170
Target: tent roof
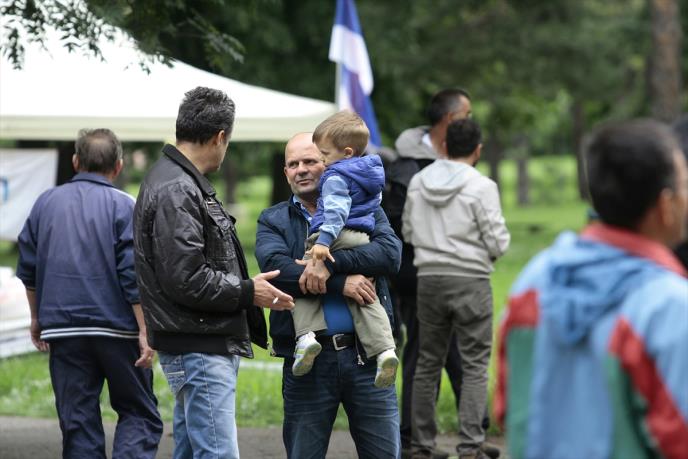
56	93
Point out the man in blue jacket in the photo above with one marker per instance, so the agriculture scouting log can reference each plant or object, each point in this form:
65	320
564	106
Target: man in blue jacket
340	374
76	261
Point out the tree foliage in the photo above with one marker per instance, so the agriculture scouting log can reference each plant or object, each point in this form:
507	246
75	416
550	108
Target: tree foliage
82	24
540	72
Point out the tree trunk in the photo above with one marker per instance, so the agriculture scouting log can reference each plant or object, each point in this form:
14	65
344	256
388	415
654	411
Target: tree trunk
65	169
665	62
280	187
230	176
493	155
523	180
577	130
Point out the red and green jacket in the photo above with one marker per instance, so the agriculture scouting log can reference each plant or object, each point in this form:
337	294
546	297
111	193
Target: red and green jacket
593	351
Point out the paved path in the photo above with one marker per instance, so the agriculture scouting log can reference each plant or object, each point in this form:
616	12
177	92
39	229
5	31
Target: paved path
28	438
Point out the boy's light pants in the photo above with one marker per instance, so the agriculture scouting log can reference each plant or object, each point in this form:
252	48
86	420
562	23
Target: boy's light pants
370	320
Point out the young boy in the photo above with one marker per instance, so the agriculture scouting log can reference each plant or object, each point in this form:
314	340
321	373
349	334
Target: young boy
350	191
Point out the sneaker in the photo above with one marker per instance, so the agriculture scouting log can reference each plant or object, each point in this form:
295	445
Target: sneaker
307	349
387	363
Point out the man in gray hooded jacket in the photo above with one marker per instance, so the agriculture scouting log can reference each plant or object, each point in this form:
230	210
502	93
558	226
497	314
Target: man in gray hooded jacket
417	148
453	219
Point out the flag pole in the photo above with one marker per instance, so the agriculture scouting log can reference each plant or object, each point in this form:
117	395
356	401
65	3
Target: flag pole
337	82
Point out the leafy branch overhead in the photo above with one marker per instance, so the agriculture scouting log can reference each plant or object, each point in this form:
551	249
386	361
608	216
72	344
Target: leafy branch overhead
82	25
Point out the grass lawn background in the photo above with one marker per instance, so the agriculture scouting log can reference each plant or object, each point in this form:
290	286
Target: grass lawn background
25	382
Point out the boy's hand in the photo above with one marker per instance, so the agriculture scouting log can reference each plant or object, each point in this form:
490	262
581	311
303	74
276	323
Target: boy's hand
321	252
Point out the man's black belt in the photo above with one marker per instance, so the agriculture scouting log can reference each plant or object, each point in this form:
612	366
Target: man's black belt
337	342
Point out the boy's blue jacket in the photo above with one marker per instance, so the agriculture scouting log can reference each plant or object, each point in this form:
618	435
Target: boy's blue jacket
364	178
76	251
280	239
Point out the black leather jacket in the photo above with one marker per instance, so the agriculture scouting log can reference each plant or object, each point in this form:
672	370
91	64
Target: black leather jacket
195	291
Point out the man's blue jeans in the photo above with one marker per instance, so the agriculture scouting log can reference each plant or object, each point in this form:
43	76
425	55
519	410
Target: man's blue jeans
311	403
204	414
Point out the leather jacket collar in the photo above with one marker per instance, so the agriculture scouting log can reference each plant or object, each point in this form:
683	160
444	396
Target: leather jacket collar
178	157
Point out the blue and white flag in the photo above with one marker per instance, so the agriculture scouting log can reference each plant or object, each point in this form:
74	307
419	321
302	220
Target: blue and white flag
348	49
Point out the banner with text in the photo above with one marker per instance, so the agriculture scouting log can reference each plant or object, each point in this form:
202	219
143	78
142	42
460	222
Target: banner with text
24	175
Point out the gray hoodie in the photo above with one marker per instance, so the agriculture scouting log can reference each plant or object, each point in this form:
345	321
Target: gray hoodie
410	144
454	221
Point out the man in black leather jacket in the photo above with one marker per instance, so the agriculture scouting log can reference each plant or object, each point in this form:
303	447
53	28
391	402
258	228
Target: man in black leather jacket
201	309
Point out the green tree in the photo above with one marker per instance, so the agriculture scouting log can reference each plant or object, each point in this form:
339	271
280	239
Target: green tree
82	24
541	73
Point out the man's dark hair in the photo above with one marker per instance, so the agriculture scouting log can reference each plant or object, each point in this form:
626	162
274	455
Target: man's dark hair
628	165
98	150
445	101
463	137
202	114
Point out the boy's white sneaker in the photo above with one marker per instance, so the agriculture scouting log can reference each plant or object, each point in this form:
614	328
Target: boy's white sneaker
307	349
387	363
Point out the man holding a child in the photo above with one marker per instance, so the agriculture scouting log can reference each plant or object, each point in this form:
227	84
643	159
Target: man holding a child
342	373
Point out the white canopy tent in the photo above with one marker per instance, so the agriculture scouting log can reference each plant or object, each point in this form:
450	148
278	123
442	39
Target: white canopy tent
56	93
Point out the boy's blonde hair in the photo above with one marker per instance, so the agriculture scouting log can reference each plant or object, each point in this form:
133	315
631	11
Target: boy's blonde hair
344	129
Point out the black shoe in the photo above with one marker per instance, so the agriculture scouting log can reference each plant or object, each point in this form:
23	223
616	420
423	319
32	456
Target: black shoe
490	450
477	454
407	453
439	454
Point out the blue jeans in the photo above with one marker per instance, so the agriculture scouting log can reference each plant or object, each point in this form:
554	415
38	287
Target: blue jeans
311	403
204	413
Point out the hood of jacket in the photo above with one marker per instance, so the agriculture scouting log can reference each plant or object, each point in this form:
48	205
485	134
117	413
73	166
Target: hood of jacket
410	144
366	171
579	286
441	180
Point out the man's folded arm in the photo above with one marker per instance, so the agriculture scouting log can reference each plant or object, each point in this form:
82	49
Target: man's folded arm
273	252
380	257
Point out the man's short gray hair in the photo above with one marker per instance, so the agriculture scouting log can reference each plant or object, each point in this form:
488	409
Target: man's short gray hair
98	150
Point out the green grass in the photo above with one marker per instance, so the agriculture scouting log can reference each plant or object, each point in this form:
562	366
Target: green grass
25	383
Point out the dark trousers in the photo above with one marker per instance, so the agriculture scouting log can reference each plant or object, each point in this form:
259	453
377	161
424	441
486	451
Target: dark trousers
78	368
462	305
452	365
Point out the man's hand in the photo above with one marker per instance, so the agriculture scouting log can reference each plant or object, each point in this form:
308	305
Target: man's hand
314	277
36	337
360	289
146	353
266	295
146	359
321	252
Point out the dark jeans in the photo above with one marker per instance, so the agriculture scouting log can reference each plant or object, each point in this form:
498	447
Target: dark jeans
408	311
311	403
78	368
